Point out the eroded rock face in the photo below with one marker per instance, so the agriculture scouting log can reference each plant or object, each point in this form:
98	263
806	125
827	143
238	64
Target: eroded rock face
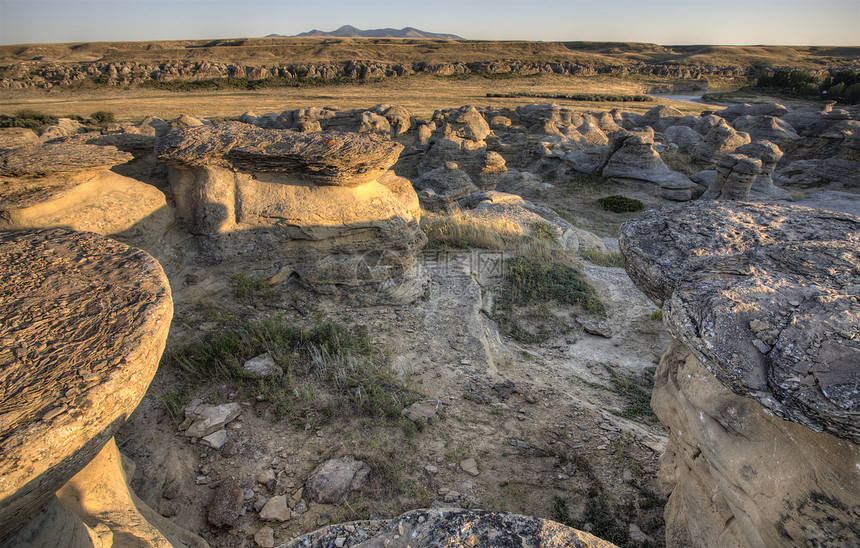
85	319
321	204
451	527
759	393
637	160
736	174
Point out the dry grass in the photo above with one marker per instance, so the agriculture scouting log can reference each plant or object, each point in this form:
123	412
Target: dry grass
421	94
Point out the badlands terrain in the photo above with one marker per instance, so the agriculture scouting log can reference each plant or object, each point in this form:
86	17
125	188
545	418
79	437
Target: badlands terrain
398	262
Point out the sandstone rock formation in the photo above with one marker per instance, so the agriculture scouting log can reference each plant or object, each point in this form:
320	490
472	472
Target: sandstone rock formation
85	320
321	204
71	185
637	160
769	154
759	390
450	527
736	174
721	139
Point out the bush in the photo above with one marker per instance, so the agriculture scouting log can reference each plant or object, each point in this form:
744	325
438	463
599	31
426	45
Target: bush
102	117
27	119
620	204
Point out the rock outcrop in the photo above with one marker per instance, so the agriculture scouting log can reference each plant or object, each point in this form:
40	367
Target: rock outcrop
323	205
736	174
720	139
637	160
71	185
759	390
451	527
85	319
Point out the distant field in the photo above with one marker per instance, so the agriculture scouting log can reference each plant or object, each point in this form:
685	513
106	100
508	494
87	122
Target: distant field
421	94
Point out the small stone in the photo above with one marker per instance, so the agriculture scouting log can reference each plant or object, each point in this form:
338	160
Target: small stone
339	542
265	537
470	466
215	440
262	366
762	346
276	510
430	469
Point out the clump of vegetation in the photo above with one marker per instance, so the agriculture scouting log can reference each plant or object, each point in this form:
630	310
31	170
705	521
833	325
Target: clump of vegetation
244	285
584	184
27	118
842	86
325	370
657	315
620	204
602	258
599	513
102	117
636	392
528	290
232	83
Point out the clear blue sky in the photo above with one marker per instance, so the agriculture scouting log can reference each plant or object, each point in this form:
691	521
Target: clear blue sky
786	22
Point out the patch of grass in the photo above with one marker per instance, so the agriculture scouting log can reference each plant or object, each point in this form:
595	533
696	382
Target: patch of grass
599	512
657	316
620	204
530	287
602	258
638	396
591	97
584	184
543	231
325	370
244	285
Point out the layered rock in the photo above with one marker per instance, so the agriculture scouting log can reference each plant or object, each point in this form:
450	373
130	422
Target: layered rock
736	174
720	139
759	391
451	527
322	204
71	185
769	154
85	319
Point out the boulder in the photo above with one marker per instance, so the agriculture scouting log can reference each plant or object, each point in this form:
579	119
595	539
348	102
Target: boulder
637	160
834	172
371	122
686	138
761	303
443	186
332	481
71	185
62	127
736	174
760	109
17	137
766	128
660	118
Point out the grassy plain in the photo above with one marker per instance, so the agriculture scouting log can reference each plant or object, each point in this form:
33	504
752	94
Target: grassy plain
421	94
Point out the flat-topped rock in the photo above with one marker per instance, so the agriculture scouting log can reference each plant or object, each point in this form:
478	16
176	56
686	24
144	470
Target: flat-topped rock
84	321
323	158
766	296
35	174
451	527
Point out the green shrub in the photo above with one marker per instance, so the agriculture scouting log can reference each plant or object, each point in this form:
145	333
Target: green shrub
102	117
620	204
27	118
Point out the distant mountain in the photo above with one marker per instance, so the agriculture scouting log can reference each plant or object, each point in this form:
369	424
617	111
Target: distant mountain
348	31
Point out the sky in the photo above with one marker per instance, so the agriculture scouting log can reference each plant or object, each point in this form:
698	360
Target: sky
668	22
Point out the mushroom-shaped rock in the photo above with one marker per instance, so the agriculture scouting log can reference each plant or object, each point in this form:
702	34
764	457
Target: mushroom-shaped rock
323	204
764	294
758	391
71	185
452	527
769	154
328	158
84	322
